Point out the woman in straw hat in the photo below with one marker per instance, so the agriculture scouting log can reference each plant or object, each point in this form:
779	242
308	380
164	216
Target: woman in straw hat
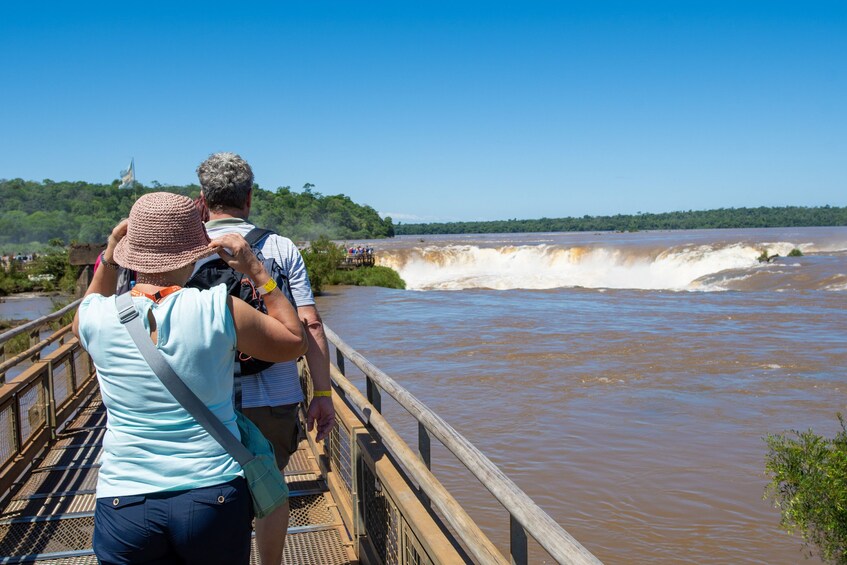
167	492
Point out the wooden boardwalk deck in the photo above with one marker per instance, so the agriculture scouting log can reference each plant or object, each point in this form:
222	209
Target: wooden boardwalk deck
50	516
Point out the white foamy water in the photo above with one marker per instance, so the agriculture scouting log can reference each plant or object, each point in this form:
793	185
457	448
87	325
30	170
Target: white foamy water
545	266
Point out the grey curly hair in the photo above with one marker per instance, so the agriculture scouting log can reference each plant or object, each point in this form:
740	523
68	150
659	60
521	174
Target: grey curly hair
226	180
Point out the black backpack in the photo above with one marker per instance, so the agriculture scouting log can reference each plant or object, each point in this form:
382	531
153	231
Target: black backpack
217	272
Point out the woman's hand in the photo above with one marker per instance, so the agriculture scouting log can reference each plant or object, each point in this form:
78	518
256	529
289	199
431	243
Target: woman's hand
118	233
236	252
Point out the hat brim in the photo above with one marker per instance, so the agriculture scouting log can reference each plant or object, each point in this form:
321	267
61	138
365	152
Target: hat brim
149	261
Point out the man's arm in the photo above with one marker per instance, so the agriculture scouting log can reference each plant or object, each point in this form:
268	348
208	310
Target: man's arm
317	357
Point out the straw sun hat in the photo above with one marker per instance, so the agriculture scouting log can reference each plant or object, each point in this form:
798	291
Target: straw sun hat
164	233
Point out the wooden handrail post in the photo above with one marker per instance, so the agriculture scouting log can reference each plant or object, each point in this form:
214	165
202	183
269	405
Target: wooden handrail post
16	418
355	499
426	456
51	400
374	396
517	542
33	341
339	361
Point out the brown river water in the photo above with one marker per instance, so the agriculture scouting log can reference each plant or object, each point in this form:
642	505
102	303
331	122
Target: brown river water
624	381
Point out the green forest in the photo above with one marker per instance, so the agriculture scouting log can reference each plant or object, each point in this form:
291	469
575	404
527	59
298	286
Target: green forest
37	212
762	217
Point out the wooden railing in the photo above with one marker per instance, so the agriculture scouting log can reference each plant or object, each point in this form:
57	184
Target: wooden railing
33	329
526	517
42	398
356	261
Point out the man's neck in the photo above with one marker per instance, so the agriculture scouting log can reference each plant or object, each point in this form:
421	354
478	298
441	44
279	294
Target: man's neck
228	214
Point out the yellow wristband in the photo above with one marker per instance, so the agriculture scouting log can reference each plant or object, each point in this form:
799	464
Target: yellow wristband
319	393
266	288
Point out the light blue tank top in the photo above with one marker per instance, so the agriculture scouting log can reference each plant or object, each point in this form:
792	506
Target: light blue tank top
152	444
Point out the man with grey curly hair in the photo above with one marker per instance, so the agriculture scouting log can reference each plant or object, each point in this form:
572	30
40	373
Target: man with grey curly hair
271	397
227	180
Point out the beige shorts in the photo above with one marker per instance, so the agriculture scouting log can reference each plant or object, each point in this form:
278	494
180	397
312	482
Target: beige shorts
281	425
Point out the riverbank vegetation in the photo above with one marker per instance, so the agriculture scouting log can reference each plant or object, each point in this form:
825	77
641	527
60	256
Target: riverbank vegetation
762	217
323	258
809	486
33	213
48	271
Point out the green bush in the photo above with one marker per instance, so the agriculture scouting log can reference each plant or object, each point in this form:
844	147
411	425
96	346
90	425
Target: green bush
809	486
52	268
14	280
322	260
795	253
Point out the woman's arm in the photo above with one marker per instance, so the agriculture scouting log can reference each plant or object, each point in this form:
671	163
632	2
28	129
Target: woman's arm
106	277
277	336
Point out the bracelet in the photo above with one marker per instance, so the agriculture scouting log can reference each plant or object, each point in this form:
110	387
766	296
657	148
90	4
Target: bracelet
320	393
109	264
266	288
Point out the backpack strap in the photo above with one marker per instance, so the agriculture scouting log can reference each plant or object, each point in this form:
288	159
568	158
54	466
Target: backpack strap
256	235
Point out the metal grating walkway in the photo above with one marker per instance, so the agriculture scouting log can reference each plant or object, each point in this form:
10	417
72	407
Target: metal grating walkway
49	518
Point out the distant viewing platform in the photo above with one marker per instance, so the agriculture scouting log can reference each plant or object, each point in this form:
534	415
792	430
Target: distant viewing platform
357	257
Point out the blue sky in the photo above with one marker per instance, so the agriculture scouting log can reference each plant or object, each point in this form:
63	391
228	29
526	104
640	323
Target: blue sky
432	111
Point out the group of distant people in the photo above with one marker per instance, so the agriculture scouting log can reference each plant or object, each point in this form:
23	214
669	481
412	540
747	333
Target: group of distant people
6	260
359	255
168	492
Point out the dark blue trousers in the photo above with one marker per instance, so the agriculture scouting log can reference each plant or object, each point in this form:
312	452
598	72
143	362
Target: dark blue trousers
204	526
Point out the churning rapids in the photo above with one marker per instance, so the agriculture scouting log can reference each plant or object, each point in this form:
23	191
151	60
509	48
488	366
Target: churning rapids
696	260
624	381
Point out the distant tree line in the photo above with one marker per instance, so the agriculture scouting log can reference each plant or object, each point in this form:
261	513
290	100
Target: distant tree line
762	217
37	212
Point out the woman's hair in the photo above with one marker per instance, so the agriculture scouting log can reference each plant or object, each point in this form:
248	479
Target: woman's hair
226	181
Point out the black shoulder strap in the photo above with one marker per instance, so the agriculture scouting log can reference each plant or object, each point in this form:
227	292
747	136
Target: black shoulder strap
256	235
